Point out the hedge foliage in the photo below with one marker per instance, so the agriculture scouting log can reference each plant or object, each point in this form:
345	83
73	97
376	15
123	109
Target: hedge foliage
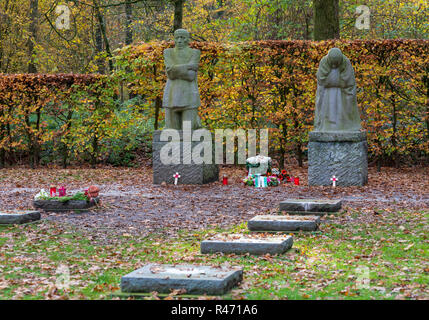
273	84
242	85
62	118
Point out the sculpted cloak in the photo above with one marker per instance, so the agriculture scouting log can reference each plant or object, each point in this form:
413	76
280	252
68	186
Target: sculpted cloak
336	104
181	89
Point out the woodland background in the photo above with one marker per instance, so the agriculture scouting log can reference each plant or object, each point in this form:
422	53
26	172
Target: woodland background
92	94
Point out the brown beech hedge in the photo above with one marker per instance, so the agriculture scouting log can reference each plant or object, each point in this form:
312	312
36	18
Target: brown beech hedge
264	84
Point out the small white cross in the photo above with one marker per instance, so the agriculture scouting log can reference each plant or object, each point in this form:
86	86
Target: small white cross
176	177
334	180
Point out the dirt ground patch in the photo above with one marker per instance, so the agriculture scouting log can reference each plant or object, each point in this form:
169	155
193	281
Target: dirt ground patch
132	205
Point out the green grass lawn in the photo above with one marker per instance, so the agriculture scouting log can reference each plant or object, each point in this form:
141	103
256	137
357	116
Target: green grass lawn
385	258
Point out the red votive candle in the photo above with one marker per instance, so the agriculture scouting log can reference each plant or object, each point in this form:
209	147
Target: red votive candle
296	180
62	191
53	191
225	180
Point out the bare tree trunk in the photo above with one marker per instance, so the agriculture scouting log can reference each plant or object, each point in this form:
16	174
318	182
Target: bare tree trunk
34	17
102	30
178	14
94	153
128	22
326	19
99	49
2	158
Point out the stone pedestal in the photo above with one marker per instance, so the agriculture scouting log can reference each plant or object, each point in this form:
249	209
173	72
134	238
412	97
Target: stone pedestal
183	146
343	154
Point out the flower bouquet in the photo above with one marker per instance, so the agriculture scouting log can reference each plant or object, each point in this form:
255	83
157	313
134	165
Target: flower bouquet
273	181
63	202
249	181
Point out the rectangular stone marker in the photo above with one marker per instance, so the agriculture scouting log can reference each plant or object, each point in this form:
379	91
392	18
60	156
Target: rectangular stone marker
194	279
58	206
310	206
283	223
237	243
18	216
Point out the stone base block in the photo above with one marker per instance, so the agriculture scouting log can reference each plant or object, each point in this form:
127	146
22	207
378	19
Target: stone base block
343	154
19	217
193	279
180	150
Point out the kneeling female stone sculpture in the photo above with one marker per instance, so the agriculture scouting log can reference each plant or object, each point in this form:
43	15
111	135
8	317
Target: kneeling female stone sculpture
336	105
337	146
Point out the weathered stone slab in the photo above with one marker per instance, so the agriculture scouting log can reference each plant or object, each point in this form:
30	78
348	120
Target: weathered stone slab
343	154
237	243
194	279
70	205
283	223
19	217
310	205
190	172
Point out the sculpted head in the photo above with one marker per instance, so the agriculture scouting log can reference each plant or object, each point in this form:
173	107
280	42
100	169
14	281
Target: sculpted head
335	58
181	38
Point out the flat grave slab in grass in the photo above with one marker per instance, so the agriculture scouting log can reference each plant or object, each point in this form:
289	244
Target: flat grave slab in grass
18	216
194	279
69	205
253	244
283	223
313	206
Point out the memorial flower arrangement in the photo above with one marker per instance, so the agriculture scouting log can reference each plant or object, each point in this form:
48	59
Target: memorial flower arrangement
43	195
280	175
260	174
249	181
273	181
90	193
270	181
